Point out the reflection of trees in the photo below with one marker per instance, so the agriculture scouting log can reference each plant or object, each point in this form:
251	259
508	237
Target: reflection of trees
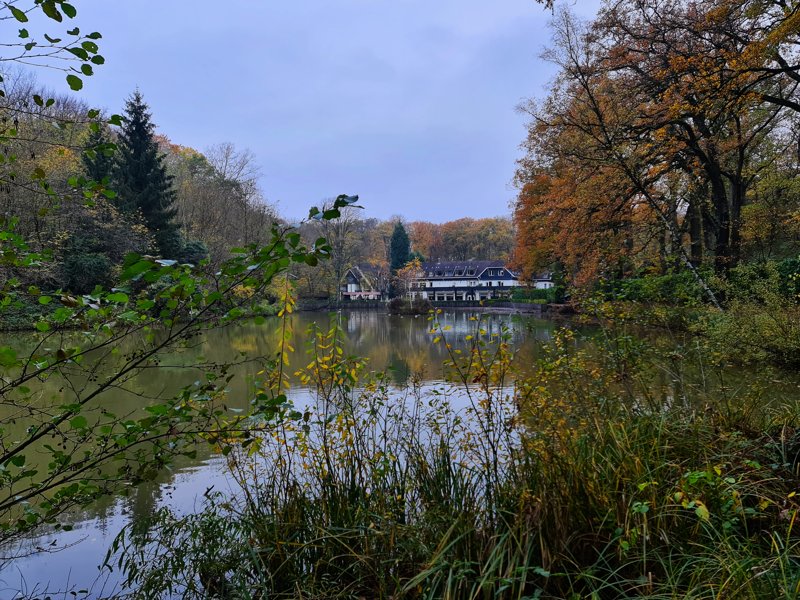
404	344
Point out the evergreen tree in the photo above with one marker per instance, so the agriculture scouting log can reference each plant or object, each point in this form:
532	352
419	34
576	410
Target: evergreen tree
399	248
141	180
98	160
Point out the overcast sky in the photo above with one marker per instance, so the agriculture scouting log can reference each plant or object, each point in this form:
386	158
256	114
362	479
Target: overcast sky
408	103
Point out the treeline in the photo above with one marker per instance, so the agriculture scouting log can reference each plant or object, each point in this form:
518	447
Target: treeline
148	195
357	240
668	142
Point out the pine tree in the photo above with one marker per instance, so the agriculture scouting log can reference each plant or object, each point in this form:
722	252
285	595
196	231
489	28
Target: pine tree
140	177
399	248
98	161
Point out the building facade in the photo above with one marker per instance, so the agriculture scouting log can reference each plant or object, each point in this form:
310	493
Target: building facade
364	282
471	280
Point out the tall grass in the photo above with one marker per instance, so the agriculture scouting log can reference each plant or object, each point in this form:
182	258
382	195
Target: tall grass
576	482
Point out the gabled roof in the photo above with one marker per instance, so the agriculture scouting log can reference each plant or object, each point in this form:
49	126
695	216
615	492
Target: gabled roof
449	268
368	275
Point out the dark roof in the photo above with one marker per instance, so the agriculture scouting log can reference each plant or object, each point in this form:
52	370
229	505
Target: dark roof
478	265
448	268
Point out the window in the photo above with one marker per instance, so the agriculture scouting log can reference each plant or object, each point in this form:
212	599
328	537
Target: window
470	272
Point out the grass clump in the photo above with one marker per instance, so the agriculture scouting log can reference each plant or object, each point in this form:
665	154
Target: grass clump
584	479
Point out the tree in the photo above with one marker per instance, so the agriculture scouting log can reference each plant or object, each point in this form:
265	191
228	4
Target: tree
399	248
98	158
407	275
140	177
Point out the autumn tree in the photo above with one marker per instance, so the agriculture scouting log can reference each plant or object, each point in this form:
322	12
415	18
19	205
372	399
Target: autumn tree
655	113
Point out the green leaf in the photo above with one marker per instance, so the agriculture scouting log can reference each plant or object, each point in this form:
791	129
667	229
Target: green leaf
45	299
79	52
42	326
8	356
74	82
18	14
90	47
69	10
49	8
98	60
94	35
75	31
118	298
87	70
23	33
52	40
78	422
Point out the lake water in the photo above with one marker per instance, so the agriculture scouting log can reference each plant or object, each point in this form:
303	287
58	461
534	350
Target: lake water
59	563
64	562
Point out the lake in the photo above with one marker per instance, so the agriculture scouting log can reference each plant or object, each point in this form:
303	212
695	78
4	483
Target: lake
403	346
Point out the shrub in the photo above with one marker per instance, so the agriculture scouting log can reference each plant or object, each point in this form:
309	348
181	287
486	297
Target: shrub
524	294
193	252
84	271
673	288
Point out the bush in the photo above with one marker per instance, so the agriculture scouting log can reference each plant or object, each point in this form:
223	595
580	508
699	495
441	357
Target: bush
673	288
789	272
84	271
193	252
538	296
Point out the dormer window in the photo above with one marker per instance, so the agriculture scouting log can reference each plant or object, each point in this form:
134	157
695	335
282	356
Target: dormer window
459	273
438	273
470	272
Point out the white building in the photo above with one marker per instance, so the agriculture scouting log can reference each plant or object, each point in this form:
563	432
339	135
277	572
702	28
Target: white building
463	280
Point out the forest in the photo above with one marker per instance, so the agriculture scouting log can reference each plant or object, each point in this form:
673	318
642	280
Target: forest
668	144
176	202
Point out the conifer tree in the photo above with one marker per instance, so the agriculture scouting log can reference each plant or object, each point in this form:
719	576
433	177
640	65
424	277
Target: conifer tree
140	177
399	248
98	161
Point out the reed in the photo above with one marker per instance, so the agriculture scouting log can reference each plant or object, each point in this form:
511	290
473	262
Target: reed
575	482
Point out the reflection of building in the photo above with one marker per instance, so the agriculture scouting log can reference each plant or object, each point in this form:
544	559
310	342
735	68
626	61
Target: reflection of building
463	280
364	282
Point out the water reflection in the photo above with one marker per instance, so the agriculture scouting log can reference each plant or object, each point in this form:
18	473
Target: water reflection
400	345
